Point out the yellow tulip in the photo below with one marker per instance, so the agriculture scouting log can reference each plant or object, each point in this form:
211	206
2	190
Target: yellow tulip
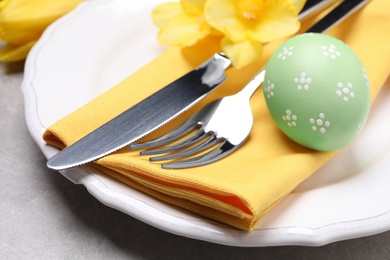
22	23
181	23
246	24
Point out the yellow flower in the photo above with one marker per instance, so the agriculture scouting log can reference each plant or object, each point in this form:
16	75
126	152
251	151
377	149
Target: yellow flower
246	24
22	22
181	23
243	25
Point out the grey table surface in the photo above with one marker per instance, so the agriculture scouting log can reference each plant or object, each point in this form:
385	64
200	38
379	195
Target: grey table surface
45	216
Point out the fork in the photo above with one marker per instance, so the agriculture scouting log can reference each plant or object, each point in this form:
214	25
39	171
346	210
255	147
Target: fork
223	124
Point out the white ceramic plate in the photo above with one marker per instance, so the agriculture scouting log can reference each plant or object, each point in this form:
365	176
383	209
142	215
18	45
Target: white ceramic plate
103	41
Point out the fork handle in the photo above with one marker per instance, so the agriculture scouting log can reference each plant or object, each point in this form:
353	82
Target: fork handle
253	85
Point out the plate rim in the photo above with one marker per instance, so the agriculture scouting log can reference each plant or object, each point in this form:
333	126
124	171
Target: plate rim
197	229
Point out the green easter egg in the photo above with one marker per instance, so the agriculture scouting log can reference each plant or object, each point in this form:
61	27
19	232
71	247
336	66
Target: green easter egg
317	91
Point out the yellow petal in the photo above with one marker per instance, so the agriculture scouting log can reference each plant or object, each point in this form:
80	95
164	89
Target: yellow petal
18	36
22	22
225	17
298	4
242	53
279	20
12	53
3	3
25	15
165	11
193	7
182	30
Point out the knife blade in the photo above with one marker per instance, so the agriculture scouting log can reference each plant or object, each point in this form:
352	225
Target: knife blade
337	15
168	103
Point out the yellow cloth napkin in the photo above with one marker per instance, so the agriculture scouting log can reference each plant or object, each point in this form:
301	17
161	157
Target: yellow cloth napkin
240	189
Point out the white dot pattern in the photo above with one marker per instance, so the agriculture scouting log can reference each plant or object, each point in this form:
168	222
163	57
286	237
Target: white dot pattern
290	118
345	91
330	51
287	51
303	81
269	89
320	123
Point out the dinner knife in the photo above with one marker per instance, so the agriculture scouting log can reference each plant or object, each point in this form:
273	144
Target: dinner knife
167	103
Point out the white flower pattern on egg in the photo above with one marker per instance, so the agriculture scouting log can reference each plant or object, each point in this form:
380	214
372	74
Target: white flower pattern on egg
290	118
303	81
320	123
269	89
330	51
287	51
345	91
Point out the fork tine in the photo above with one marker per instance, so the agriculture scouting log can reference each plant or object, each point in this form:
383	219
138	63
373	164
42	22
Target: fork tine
212	140
197	119
170	137
196	137
220	152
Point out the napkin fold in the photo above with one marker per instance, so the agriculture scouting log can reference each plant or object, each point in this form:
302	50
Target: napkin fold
240	189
